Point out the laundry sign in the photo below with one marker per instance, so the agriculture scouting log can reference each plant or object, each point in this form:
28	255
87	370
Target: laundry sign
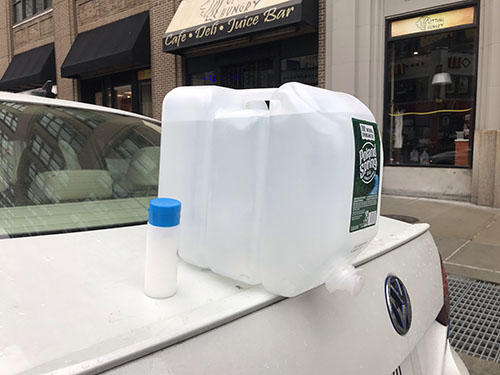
201	21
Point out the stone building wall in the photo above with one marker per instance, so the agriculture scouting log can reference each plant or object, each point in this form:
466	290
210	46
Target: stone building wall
357	28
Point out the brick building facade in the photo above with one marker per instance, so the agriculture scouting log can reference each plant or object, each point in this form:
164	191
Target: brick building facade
433	87
66	19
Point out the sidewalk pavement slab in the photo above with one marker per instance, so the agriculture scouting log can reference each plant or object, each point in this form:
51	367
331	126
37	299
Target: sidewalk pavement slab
467	236
460	222
448	245
491	234
477	366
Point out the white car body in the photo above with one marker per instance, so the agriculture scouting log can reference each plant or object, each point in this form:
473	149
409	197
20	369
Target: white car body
73	303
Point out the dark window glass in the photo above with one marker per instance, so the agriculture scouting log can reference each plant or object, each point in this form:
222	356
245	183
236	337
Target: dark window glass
28	8
261	66
39	6
129	91
302	69
23	9
123	96
18	11
430	99
255	74
146	100
204	78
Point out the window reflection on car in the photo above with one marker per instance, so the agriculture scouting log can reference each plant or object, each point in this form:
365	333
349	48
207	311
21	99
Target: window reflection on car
65	169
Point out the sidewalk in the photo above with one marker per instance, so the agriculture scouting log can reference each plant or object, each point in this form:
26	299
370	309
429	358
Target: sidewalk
467	236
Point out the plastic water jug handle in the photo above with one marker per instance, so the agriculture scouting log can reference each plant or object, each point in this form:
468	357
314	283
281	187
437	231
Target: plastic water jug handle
251	95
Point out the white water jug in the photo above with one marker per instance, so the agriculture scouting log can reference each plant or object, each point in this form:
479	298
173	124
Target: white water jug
284	194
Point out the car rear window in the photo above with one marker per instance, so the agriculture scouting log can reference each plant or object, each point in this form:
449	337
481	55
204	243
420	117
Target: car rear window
65	169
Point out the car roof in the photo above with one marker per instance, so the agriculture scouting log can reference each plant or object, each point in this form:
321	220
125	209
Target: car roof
33	99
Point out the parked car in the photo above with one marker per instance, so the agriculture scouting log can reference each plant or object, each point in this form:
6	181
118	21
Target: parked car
443	158
75	181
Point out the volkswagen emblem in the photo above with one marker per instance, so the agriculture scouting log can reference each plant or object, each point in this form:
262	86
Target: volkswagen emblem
398	304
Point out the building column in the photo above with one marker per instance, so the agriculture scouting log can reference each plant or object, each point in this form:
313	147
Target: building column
354	58
64	36
486	158
166	69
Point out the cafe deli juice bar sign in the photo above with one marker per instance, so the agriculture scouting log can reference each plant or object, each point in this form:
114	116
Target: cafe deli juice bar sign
203	21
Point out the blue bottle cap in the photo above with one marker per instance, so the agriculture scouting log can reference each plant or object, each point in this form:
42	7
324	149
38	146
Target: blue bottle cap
164	212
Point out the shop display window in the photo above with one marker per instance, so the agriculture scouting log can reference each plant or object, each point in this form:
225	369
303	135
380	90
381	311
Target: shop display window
430	95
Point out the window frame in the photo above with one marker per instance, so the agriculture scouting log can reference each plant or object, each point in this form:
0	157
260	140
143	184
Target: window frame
46	5
387	60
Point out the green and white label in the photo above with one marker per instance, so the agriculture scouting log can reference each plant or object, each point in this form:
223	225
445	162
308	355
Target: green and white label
366	175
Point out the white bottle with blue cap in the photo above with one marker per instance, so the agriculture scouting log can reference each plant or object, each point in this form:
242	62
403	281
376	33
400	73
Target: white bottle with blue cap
162	243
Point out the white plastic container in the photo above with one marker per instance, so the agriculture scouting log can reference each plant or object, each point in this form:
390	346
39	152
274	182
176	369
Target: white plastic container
187	130
162	243
269	193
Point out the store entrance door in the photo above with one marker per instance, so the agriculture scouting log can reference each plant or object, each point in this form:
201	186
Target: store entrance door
108	92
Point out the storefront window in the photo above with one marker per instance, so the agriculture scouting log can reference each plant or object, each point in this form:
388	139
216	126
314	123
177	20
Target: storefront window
146	101
249	75
128	91
260	66
204	78
253	74
300	69
430	97
124	97
98	98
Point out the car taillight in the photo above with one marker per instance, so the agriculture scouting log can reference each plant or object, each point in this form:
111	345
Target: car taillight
444	315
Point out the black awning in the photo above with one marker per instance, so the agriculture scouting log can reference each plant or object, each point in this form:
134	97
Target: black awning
199	22
30	69
120	45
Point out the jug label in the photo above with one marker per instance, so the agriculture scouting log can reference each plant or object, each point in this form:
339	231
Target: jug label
366	175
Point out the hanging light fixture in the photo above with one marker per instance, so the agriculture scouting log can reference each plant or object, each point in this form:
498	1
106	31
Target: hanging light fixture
441	79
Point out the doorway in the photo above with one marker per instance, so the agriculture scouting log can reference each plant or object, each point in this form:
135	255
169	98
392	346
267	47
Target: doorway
128	91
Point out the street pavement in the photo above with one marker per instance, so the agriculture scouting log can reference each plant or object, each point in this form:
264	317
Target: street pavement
468	239
467	236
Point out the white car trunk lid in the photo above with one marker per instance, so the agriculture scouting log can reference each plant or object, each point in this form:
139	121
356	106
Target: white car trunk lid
74	303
